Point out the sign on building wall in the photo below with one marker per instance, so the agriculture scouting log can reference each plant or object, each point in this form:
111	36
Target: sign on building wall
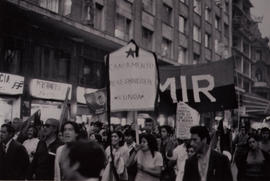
133	79
11	84
205	87
48	89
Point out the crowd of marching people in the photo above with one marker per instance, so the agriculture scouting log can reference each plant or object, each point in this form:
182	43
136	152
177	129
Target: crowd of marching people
72	151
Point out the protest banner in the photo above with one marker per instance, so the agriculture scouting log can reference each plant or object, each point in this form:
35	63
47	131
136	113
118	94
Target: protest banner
205	87
133	79
11	84
96	101
186	117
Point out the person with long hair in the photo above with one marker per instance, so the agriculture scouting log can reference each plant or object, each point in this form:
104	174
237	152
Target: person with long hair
254	164
120	156
149	161
71	132
31	142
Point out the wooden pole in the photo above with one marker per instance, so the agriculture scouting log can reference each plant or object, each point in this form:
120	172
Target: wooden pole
135	116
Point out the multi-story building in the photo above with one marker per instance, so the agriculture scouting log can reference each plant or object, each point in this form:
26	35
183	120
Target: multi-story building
49	45
251	53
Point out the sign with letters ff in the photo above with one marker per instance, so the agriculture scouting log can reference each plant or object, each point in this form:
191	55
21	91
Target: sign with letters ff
11	84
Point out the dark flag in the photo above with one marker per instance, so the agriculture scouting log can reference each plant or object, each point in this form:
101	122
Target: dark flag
65	110
205	87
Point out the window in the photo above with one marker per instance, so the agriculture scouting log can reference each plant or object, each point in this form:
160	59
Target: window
52	5
246	49
226	30
217	22
247	65
207	14
167	14
123	27
247	86
227	7
196	33
182	55
91	74
99	17
196	58
238	63
258	55
182	24
259	75
147	38
12	60
62	68
166	47
89	13
207	40
197	6
148	5
67	7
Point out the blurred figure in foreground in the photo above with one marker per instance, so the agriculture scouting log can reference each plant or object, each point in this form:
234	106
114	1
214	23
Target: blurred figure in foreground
83	161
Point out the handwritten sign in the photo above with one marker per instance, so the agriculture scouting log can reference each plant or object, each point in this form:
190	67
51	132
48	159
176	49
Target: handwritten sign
11	84
133	84
48	89
96	101
186	117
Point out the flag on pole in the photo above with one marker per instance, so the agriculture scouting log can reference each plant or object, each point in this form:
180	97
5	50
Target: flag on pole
34	119
65	111
96	101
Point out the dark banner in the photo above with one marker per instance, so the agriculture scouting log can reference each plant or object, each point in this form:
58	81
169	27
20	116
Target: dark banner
205	87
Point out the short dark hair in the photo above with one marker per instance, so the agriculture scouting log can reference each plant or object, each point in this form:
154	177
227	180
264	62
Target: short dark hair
265	129
90	155
168	129
75	126
121	136
152	142
201	131
10	128
130	132
148	120
35	130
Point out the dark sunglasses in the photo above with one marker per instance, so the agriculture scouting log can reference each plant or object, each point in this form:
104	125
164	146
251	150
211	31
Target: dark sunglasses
48	125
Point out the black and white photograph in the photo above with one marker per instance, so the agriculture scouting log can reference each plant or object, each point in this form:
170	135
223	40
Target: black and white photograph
135	90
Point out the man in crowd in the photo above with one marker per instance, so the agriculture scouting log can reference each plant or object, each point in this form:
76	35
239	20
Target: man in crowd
130	137
17	123
14	159
206	164
265	142
83	161
42	166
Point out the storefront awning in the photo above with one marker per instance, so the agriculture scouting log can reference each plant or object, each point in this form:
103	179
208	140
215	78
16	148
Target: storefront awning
256	105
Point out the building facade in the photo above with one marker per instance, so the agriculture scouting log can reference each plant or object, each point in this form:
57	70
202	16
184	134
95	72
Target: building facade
49	45
251	54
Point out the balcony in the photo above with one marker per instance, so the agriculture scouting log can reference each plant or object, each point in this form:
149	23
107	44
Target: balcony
260	84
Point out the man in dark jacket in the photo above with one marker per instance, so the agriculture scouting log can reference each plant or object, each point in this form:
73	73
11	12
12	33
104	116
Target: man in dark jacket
14	159
206	164
42	166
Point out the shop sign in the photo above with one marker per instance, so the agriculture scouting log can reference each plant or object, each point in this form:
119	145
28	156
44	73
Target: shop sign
11	84
49	90
81	91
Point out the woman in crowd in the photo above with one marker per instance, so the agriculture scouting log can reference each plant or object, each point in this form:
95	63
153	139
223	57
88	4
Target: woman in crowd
149	161
71	132
120	154
32	141
96	138
254	164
